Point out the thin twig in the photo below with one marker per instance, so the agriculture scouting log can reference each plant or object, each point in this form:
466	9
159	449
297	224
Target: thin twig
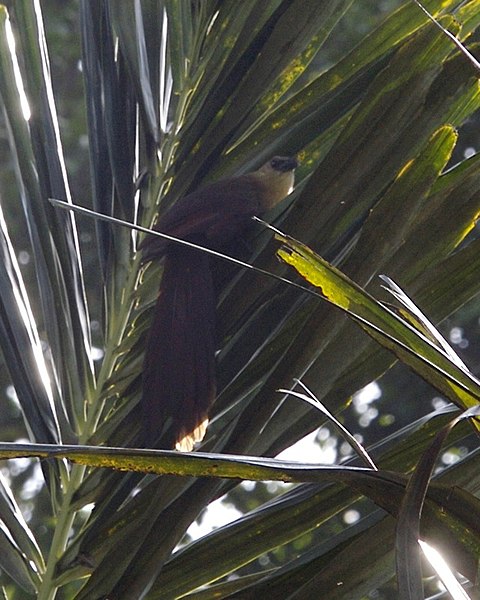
457	43
109	219
311	399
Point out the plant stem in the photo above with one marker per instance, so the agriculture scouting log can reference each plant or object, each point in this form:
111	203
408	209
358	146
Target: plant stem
64	520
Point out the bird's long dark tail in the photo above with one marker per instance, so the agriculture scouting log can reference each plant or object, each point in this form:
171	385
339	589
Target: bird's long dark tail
179	364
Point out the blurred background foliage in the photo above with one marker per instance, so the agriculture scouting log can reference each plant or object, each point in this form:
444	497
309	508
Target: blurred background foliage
397	399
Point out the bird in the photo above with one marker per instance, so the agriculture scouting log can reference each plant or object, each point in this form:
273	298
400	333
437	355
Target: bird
178	376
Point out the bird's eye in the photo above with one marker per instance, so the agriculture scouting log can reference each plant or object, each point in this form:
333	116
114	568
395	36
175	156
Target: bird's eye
274	163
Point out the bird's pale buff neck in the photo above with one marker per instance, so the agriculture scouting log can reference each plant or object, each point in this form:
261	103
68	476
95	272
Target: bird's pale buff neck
276	185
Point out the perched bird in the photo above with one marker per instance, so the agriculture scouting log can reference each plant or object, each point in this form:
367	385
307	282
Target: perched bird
179	365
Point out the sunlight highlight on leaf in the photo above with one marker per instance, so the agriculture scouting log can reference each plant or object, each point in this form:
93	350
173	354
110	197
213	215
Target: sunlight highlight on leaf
166	78
444	572
23	304
450	35
420	321
316	275
16	69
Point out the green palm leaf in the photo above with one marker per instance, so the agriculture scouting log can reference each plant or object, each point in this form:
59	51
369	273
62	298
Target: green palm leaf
177	94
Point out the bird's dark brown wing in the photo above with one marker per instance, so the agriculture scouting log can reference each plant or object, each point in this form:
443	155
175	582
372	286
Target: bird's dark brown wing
179	367
210	216
179	364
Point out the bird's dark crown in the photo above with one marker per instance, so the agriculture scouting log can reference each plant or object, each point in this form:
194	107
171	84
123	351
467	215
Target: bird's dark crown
284	163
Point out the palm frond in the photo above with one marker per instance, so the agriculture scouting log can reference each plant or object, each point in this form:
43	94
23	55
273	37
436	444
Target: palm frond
178	94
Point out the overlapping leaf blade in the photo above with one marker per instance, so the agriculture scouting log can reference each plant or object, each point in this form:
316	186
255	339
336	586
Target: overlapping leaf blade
180	93
20	555
463	96
41	173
